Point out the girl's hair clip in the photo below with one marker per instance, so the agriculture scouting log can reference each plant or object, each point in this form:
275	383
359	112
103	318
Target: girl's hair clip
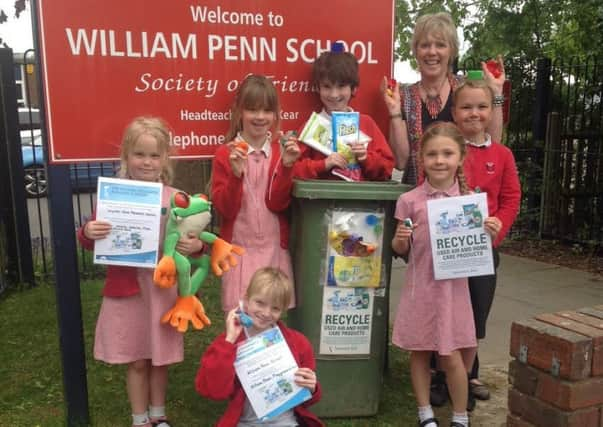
337	47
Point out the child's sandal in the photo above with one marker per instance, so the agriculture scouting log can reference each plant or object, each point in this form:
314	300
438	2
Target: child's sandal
161	423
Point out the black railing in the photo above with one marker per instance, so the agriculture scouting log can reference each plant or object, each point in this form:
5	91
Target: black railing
561	170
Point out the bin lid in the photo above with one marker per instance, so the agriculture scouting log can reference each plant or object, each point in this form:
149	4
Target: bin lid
364	190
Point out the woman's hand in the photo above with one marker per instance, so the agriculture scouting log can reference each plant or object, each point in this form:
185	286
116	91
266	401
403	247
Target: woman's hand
233	326
495	83
189	245
492	225
306	377
392	102
97	229
237	158
335	160
291	151
359	151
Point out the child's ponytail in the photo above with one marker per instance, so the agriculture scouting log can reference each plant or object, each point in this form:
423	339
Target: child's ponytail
460	177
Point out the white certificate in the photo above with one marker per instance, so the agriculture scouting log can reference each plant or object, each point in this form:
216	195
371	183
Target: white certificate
266	367
459	244
134	210
347	319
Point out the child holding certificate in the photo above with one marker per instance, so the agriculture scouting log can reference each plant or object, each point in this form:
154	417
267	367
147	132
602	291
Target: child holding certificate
434	315
489	168
128	330
267	297
335	74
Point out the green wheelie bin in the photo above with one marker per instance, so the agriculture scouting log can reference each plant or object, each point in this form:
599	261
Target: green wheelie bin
341	250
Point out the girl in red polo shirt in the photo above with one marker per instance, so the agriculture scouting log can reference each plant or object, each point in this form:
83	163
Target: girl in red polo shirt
489	168
252	178
128	330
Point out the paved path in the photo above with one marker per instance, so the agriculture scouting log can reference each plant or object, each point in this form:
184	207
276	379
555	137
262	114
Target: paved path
525	288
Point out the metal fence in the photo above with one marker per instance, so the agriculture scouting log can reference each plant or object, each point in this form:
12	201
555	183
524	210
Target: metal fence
555	132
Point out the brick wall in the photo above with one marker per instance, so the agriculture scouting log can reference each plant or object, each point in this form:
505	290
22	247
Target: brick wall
556	376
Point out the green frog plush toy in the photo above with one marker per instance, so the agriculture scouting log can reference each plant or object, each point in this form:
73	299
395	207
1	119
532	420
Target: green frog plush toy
190	215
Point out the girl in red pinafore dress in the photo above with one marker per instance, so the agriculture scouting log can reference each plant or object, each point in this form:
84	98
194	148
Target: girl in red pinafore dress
252	178
128	329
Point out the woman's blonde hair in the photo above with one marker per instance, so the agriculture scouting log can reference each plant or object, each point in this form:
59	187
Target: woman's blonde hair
158	129
448	130
255	93
273	283
440	26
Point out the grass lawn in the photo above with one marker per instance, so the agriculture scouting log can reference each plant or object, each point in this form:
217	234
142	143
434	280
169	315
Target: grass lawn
31	384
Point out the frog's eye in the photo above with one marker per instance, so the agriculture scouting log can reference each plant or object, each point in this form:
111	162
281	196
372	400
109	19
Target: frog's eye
181	200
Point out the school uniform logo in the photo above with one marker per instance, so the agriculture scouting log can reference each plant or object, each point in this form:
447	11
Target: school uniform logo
490	168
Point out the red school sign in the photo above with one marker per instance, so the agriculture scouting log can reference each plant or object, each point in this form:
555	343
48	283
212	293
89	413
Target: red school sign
106	62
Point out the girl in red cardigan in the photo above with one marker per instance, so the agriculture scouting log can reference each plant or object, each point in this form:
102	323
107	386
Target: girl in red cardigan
267	297
489	168
252	178
128	330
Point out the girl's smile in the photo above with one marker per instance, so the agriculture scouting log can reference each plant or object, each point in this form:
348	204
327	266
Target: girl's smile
256	124
263	312
441	160
144	161
472	113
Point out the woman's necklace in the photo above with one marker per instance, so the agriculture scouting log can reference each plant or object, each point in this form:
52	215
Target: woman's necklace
433	102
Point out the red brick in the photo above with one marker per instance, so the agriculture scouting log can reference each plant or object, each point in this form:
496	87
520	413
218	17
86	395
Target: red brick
515	401
587	319
515	421
592	311
570	395
523	377
566	321
545	342
542	414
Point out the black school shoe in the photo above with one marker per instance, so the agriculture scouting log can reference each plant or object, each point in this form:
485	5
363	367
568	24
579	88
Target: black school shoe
470	402
480	391
427	421
438	390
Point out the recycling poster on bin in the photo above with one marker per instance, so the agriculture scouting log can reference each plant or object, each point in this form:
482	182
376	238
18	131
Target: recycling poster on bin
347	318
352	272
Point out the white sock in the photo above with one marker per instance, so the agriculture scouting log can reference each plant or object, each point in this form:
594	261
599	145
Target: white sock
140	419
157	411
461	417
425	413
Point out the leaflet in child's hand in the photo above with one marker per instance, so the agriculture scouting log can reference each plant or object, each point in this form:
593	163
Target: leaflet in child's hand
266	369
346	128
317	133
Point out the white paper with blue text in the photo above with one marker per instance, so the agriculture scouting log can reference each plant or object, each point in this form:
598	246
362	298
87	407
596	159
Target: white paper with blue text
134	210
266	367
459	243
